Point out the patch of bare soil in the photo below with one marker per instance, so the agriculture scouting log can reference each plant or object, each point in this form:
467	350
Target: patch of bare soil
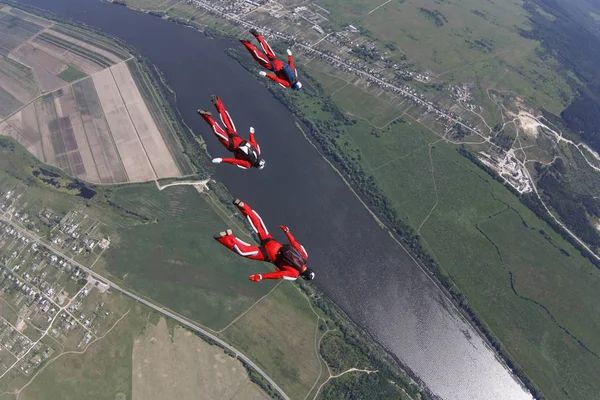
183	366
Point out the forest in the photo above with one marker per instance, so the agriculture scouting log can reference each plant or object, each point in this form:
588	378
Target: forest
573	38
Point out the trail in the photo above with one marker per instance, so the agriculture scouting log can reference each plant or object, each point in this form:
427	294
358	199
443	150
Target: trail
201	186
366	371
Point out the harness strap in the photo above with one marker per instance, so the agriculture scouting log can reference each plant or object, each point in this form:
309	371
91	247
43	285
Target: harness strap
264	252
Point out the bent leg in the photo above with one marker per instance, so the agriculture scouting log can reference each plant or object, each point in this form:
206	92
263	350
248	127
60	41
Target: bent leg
225	117
242	248
218	131
255	221
266	47
258	56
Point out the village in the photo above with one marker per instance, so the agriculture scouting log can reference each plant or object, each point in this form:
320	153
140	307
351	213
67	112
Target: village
50	303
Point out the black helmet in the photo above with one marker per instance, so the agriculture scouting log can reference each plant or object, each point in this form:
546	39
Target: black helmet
308	274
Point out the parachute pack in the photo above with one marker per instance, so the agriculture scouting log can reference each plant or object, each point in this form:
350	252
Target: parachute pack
248	150
289	255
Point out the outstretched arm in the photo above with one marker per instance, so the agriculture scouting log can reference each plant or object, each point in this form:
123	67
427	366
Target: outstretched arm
240	163
293	241
252	140
287	275
275	78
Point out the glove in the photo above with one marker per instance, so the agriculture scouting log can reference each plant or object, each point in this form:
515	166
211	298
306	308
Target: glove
217	160
289	52
284	228
255	277
251	130
262	73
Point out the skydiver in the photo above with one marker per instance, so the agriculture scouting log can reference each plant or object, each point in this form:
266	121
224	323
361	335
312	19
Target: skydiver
285	74
289	259
247	152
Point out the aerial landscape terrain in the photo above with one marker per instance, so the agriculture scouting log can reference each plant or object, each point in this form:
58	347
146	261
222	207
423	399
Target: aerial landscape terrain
468	130
72	100
111	291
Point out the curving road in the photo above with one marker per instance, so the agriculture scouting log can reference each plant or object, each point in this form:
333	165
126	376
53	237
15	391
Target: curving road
147	303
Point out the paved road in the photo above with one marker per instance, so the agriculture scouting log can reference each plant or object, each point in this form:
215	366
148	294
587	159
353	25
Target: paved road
147	303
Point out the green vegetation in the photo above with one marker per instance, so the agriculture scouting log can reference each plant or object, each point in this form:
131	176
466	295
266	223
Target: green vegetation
169	255
103	371
151	5
280	332
437	202
459	198
575	210
71	74
468	41
435	16
571	36
159	249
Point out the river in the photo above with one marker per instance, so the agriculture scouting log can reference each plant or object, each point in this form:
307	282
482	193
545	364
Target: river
358	265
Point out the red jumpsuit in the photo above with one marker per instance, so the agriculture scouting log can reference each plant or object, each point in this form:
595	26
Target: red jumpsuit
230	138
268	250
272	63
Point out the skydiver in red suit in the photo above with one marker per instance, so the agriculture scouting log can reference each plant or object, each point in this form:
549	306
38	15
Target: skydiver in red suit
289	259
246	152
285	74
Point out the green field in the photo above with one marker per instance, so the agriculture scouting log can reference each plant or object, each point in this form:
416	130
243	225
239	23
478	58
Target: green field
103	371
162	247
456	206
464	41
174	260
281	331
71	74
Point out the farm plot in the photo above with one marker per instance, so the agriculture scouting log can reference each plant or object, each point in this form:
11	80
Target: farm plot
160	157
8	43
87	59
8	103
11	25
14	31
108	162
93	39
83	46
25	130
168	128
29	17
78	150
44	66
18	80
52	143
134	157
181	365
